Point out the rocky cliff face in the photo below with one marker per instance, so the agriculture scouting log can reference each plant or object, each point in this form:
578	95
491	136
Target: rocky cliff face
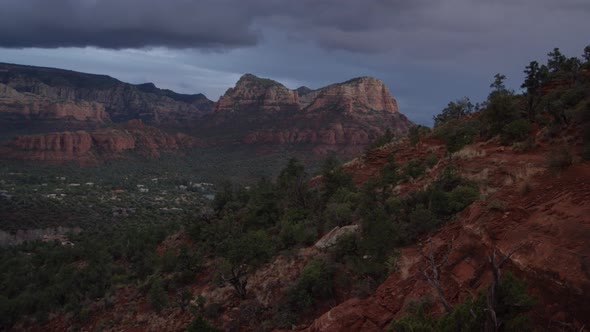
25	85
260	94
30	107
87	147
358	96
345	116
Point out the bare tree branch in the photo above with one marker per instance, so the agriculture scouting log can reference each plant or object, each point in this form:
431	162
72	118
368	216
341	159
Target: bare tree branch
432	273
492	323
238	279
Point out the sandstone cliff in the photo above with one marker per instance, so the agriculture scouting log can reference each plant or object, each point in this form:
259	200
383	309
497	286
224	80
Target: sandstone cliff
260	94
344	117
26	85
30	107
87	147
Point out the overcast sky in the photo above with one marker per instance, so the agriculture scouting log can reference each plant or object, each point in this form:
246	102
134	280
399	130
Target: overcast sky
428	52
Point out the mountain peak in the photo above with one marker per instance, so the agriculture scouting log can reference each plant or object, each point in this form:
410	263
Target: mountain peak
248	79
363	79
303	90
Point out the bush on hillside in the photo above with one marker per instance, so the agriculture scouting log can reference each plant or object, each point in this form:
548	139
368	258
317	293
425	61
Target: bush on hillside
156	296
462	196
515	131
416	133
198	324
457	134
431	160
314	283
414	168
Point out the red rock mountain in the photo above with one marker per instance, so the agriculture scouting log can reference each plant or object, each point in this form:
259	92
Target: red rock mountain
39	96
344	117
71	113
89	146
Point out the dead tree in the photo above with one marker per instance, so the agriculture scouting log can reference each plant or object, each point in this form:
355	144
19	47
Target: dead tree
432	272
238	279
492	324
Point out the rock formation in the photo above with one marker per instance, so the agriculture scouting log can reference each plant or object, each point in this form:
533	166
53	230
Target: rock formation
27	85
259	94
86	147
344	117
63	107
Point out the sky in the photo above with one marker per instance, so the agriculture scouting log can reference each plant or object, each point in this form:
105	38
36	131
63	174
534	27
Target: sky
428	52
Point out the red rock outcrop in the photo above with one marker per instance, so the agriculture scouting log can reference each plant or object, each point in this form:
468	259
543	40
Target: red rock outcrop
358	96
33	88
51	147
261	94
87	146
345	116
30	107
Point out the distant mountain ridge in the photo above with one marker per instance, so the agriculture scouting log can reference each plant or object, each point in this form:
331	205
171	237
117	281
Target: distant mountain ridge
40	87
343	117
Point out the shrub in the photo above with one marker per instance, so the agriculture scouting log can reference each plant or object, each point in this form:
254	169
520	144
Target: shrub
515	131
502	109
346	246
431	160
455	110
457	134
293	234
156	295
392	261
462	196
199	324
339	214
382	140
315	282
421	220
414	168
416	132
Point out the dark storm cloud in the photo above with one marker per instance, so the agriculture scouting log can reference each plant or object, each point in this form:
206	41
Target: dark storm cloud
362	26
189	23
126	23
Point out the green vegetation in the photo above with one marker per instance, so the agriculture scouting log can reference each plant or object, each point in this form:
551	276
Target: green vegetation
414	168
455	110
156	295
555	95
457	135
416	132
198	324
382	140
513	303
315	282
